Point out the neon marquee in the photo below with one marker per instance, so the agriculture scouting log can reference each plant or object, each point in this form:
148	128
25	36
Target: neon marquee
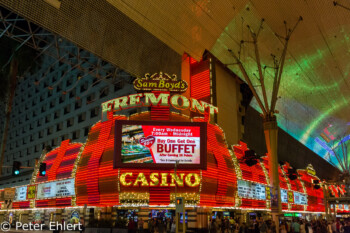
150	99
161	179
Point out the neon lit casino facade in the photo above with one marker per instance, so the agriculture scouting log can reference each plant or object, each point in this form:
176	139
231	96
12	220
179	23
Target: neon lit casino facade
127	163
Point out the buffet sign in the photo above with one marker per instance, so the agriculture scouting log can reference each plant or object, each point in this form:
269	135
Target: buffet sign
160	144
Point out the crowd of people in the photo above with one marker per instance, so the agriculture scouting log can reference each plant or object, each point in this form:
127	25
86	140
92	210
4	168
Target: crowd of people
154	225
228	225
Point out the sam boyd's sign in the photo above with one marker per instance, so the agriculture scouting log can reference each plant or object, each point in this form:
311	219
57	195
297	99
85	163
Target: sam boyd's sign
160	82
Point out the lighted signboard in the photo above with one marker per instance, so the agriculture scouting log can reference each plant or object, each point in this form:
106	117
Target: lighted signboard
293	215
161	179
268	193
160	144
290	197
60	188
21	193
46	190
75	218
160	82
9	193
300	198
31	191
177	101
284	196
251	190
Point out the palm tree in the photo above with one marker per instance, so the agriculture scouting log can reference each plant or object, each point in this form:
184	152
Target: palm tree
15	60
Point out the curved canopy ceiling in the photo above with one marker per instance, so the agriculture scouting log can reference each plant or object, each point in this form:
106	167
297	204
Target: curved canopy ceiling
315	88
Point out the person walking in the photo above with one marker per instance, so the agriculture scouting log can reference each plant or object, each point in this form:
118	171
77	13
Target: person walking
168	225
334	227
263	227
213	227
161	226
151	225
283	228
302	227
341	228
295	226
227	225
173	227
236	228
131	226
243	228
140	225
347	227
273	227
290	229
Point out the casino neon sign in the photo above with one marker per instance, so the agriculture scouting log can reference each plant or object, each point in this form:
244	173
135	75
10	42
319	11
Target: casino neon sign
160	179
163	99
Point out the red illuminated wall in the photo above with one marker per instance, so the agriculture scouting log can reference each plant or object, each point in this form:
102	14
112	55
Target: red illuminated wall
282	179
219	182
160	113
96	180
200	81
254	173
20	205
60	162
336	190
58	202
59	165
314	196
295	186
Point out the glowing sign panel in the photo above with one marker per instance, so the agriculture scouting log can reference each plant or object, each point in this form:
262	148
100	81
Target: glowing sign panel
151	144
177	101
60	188
21	193
160	179
251	190
300	198
284	196
31	192
160	82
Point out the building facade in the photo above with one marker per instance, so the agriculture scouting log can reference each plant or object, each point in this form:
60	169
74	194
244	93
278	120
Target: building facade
59	100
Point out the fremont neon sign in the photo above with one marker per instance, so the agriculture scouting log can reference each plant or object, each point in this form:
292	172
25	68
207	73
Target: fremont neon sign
160	179
163	99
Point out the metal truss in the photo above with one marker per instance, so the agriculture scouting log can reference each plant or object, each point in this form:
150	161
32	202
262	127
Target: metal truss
51	44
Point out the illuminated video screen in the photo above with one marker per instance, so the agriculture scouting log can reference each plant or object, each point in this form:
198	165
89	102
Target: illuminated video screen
160	144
